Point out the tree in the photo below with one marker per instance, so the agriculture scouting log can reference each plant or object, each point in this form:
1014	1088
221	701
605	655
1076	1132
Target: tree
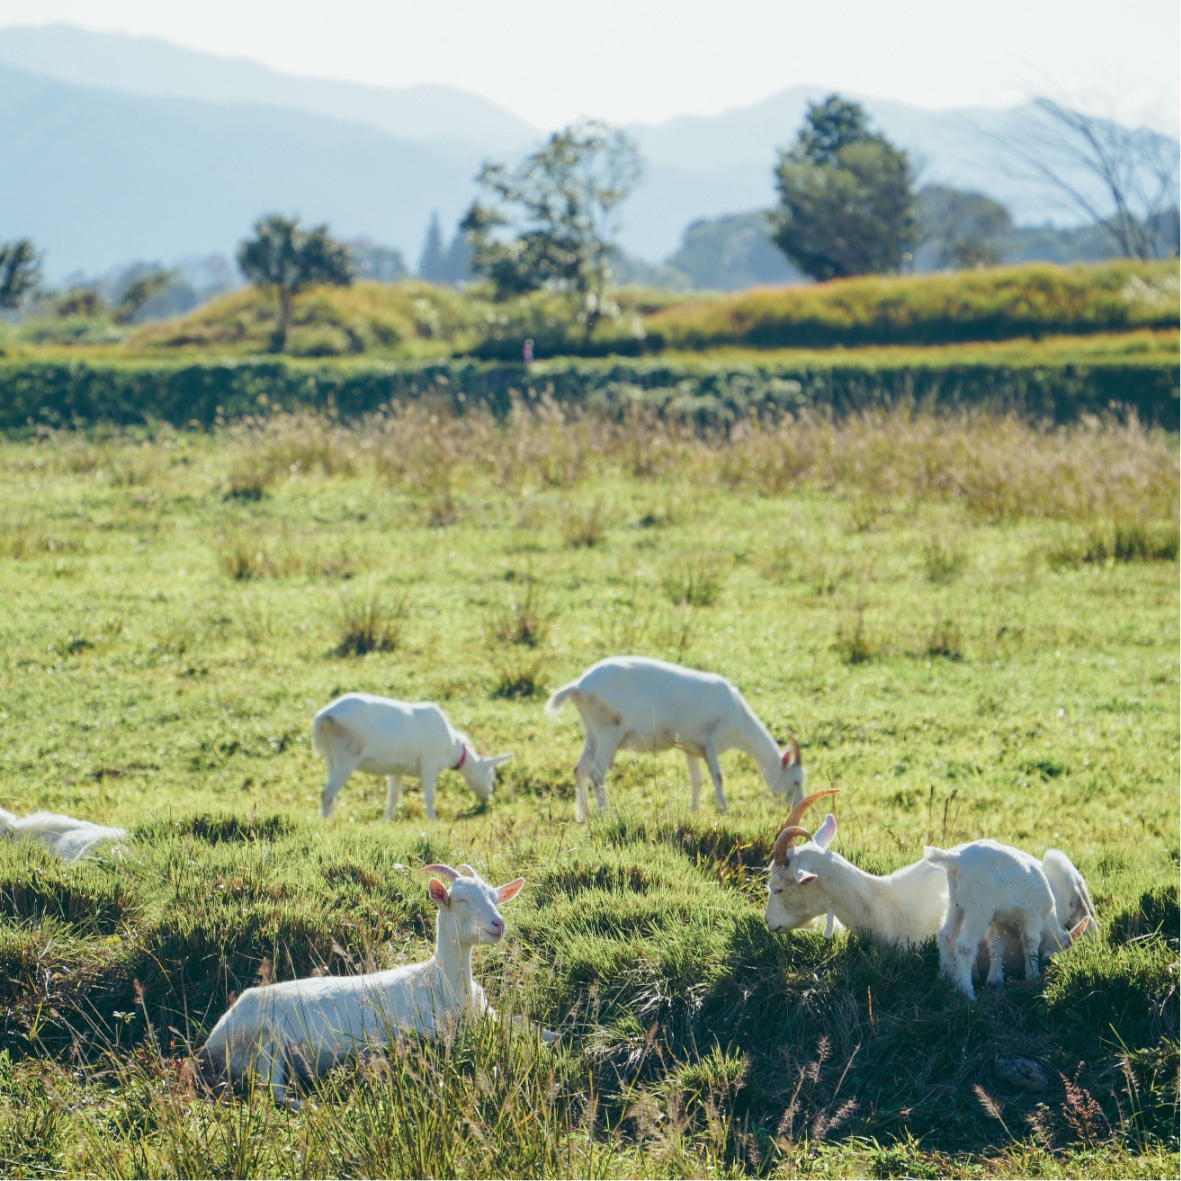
140	291
19	271
554	217
433	258
1122	178
961	228
288	259
846	196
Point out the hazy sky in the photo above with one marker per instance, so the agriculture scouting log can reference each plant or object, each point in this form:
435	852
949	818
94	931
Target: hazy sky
647	60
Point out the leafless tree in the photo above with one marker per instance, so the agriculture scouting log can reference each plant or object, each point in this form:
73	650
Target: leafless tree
1132	174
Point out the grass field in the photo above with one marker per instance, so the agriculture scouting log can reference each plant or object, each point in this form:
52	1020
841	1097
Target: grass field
970	625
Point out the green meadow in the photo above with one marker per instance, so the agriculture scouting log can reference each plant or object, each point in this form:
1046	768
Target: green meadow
969	624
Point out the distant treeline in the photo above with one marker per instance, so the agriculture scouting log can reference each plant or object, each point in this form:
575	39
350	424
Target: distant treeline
708	395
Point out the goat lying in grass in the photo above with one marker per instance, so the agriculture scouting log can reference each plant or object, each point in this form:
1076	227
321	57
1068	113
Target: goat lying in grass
634	703
69	838
997	894
907	906
359	732
308	1026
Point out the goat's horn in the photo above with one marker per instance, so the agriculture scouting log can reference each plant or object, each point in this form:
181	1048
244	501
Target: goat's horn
798	811
795	749
467	870
786	840
446	870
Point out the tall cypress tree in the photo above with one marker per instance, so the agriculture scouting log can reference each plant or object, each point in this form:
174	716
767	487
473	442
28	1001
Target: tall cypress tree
432	265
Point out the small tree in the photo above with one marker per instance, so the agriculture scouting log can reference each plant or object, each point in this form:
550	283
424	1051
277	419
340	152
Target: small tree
19	271
554	217
846	196
965	229
141	291
287	259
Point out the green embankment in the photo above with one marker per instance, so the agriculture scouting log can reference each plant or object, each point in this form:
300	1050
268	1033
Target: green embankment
712	391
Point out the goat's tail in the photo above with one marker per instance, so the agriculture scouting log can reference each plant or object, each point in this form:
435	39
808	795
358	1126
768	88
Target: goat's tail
323	725
553	707
946	859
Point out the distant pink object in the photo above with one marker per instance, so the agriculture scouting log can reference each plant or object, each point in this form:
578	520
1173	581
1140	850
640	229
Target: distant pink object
527	352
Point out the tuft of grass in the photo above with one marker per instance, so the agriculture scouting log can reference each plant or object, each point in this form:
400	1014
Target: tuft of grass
520	677
945	639
943	561
855	643
585	528
694	581
521	621
1118	541
370	624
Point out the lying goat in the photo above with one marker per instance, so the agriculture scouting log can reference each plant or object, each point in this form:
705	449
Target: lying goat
907	906
308	1026
359	732
70	839
634	703
998	894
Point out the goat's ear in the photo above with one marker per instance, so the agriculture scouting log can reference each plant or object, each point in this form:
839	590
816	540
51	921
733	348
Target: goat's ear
497	760
439	893
826	831
509	892
1081	929
803	877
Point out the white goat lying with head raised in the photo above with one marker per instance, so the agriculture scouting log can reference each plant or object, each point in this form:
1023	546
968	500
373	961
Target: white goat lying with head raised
996	894
810	880
69	838
359	732
308	1026
634	703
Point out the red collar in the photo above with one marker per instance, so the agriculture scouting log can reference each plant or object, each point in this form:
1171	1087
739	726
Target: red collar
462	758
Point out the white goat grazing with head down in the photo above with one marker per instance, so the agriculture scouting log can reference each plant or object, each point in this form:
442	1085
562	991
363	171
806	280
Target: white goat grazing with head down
634	703
359	732
69	838
996	894
810	880
308	1026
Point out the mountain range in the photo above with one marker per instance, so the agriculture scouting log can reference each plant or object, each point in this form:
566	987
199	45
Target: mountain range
119	147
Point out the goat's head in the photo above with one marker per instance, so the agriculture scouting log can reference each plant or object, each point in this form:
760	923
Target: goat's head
790	777
795	887
480	770
472	905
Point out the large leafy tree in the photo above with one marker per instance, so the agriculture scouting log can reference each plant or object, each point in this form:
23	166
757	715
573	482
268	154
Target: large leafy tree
286	259
550	221
19	271
846	196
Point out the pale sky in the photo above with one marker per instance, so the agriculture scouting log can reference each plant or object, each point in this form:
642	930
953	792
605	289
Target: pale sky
648	60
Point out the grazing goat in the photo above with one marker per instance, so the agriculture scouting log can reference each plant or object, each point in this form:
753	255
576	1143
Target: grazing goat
995	894
308	1026
359	732
907	906
70	839
635	703
1072	899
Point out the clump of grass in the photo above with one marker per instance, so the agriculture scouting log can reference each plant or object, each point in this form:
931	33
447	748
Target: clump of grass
521	621
247	556
1118	541
585	528
943	561
520	676
945	639
694	581
370	625
854	643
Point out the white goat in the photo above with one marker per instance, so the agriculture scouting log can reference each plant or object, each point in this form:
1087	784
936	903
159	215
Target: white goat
69	838
995	894
635	703
1072	899
308	1026
359	732
907	906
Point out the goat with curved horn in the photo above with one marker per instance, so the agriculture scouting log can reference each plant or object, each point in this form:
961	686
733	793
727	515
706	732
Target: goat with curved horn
446	871
787	838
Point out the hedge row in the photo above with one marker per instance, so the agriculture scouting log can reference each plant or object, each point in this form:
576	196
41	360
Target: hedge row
711	394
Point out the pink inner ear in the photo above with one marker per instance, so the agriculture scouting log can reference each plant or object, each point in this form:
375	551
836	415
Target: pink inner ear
438	892
509	892
787	757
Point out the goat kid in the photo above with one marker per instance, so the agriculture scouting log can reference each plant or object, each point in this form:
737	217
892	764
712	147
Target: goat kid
997	894
360	732
635	703
308	1026
68	838
810	880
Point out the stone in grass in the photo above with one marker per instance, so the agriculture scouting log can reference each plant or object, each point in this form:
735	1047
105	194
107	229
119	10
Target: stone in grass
1022	1073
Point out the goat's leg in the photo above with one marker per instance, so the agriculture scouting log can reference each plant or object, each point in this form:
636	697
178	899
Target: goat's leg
972	930
694	781
394	792
996	940
429	775
1031	938
946	938
270	1064
604	757
339	770
582	774
715	771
